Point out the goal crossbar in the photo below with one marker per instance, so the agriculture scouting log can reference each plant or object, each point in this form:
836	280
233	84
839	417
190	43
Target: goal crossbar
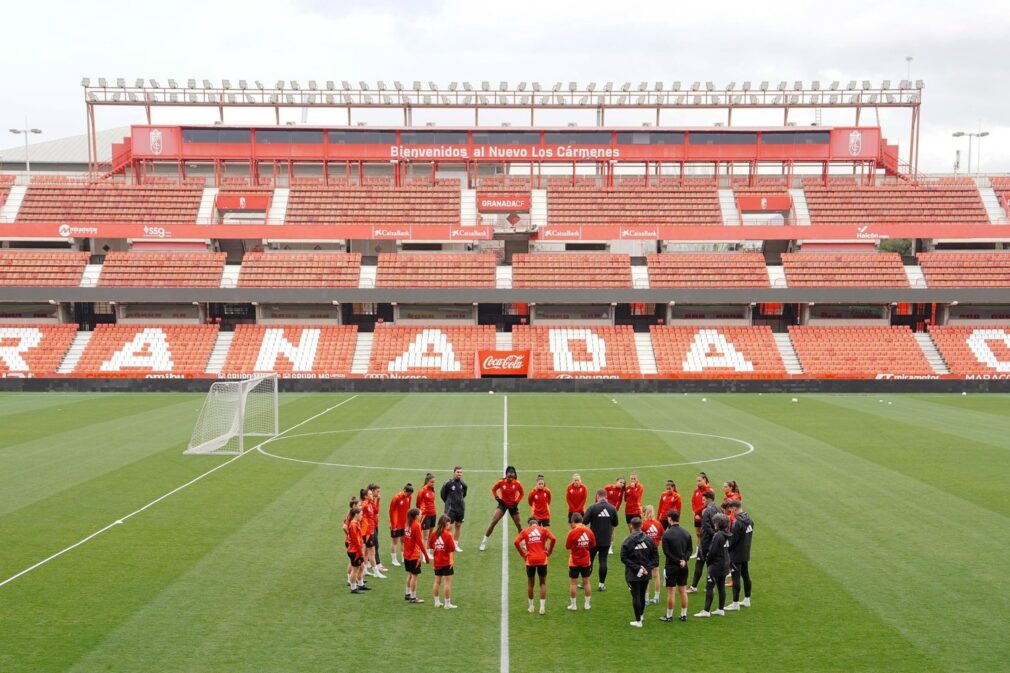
232	411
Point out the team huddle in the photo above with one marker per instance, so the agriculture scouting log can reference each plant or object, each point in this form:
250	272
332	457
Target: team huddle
723	536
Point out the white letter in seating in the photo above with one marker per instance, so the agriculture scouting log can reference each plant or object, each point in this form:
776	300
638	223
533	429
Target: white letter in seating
416	357
564	359
302	356
977	343
26	338
148	349
726	356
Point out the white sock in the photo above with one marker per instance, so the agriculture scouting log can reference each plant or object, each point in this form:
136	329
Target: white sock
437	602
531	603
655	596
683	612
669	613
484	541
543	603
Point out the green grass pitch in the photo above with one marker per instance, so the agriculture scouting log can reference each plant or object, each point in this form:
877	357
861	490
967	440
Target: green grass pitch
881	538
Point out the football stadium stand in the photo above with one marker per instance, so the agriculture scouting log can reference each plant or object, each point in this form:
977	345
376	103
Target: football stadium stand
33	350
435	270
709	352
300	269
830	269
375	204
428	352
69	200
579	352
571	270
27	268
735	269
842	201
966	269
162	269
665	203
859	352
300	350
974	350
148	350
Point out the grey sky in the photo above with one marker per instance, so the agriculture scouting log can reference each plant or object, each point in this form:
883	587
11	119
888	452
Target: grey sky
962	55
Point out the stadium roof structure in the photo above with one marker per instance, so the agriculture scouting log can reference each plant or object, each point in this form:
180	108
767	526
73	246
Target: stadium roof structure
69	153
488	95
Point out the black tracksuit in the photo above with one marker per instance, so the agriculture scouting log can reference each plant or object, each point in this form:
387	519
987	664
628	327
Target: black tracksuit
601	517
639	556
454	497
717	559
707	530
739	554
677	547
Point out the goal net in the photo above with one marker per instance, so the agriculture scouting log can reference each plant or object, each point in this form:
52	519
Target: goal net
232	411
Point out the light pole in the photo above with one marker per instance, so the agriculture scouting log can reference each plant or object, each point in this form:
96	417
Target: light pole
26	131
979	134
978	159
908	69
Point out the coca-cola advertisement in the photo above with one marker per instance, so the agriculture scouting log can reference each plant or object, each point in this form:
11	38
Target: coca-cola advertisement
504	363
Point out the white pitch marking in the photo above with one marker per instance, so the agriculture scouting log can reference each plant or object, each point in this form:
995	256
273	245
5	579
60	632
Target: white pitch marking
750	449
504	629
154	502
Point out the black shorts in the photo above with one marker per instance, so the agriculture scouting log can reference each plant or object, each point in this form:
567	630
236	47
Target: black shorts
546	523
443	572
454	517
428	522
571	514
371	540
412	567
355	559
697	521
629	517
676	576
513	509
536	570
579	571
396	533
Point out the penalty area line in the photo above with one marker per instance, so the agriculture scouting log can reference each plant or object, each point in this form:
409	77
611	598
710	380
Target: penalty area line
175	490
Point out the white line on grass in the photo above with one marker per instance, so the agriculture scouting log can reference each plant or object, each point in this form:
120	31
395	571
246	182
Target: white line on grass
175	490
504	630
750	449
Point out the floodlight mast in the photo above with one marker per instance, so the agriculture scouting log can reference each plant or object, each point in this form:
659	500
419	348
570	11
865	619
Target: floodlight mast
27	131
558	95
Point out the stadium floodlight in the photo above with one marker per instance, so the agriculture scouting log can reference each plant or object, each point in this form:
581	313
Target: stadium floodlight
452	86
133	97
715	100
736	99
675	86
312	85
709	86
427	99
368	99
483	99
295	86
622	100
833	99
330	86
232	98
866	84
330	99
116	96
851	86
231	412
764	85
658	86
503	85
782	85
85	81
174	97
584	100
854	98
601	99
279	85
432	85
695	86
120	82
556	87
172	84
102	82
814	100
777	100
259	85
730	86
591	87
561	100
347	99
467	86
250	99
445	99
626	86
521	86
398	85
919	84
92	98
212	97
891	98
363	85
753	99
536	86
816	85
873	98
207	84
573	86
524	100
643	86
886	84
225	84
243	85
193	97
345	85
835	84
138	83
746	86
680	99
797	86
903	84
387	99
608	87
485	85
794	99
467	98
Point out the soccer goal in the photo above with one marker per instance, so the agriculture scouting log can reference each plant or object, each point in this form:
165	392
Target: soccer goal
232	411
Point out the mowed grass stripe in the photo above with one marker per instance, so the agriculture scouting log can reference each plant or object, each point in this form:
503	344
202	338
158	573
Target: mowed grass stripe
12	404
92	589
882	534
924	440
297	579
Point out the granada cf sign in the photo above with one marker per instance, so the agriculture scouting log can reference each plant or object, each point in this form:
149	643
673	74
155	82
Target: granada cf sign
504	203
503	363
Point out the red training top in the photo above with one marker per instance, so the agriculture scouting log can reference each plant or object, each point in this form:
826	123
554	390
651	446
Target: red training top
442	546
509	492
354	539
540	501
398	507
668	501
580	540
426	500
576	497
413	543
633	499
615	495
698	500
536	538
654	530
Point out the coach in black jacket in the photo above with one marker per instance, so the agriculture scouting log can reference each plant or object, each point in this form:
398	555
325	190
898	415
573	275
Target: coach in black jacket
601	517
707	531
739	555
639	556
677	550
454	496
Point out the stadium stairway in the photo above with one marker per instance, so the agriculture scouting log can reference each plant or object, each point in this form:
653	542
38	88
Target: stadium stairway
362	353
915	277
932	353
9	211
788	353
73	354
640	277
229	278
538	209
220	353
503	277
278	206
646	354
503	341
468	208
989	200
205	215
91	274
366	277
727	203
776	276
800	210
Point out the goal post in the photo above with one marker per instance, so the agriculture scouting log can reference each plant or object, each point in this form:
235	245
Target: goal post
232	411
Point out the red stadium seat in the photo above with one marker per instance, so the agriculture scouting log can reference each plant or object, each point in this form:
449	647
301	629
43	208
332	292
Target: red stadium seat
27	268
181	350
33	350
446	351
307	350
162	269
716	352
300	269
859	352
435	270
579	352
